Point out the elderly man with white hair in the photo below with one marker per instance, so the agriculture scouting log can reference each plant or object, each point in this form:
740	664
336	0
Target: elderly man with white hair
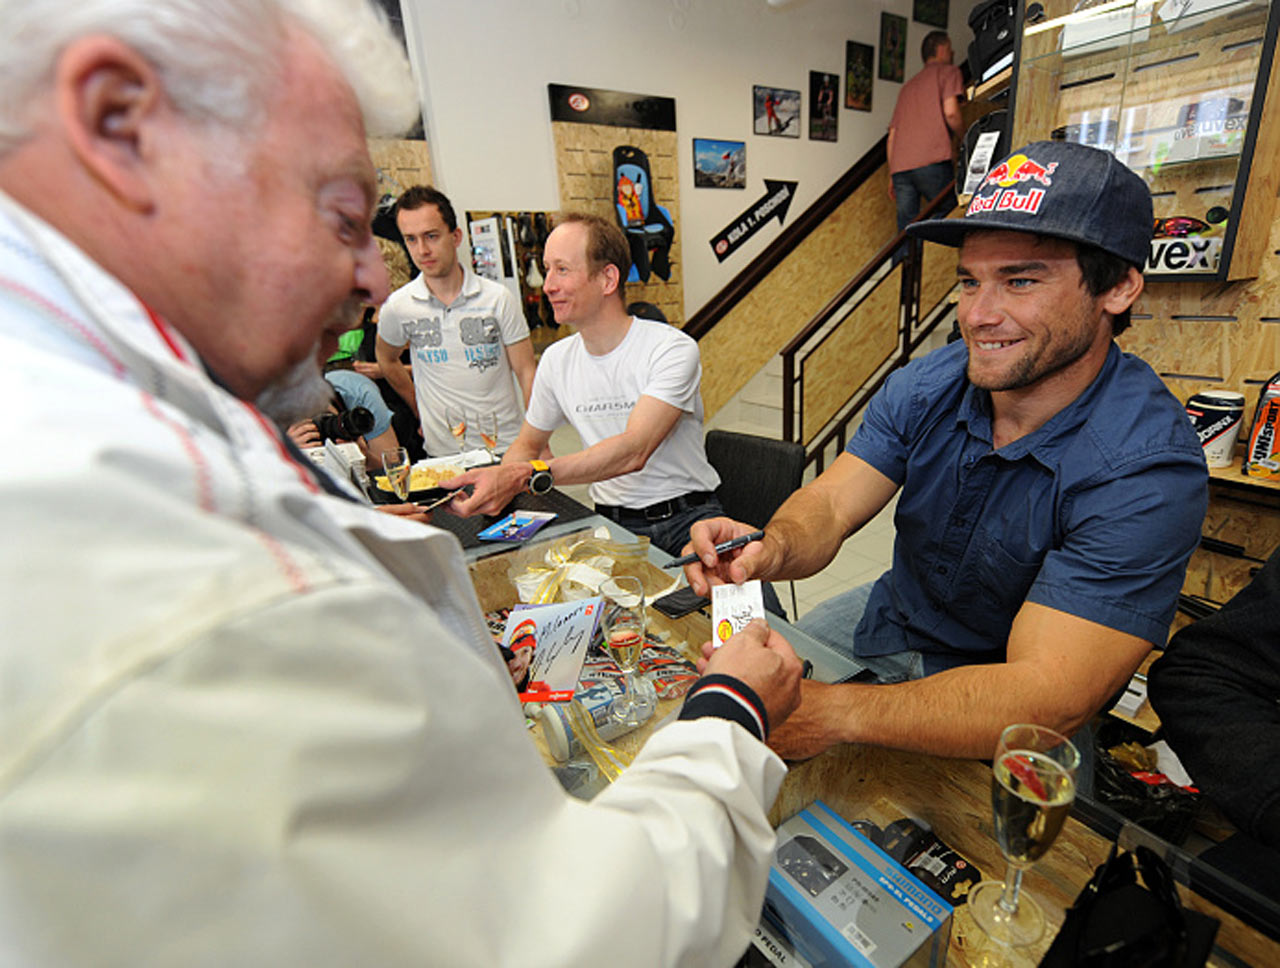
246	721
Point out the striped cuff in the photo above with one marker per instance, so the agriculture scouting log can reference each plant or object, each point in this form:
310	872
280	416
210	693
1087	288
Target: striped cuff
727	698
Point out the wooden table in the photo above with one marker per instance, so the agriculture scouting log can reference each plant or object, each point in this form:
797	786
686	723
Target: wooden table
954	798
952	795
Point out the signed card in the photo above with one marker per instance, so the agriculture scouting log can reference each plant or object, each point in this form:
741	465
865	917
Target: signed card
559	635
733	607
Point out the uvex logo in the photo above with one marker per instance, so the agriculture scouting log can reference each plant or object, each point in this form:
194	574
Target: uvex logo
1184	255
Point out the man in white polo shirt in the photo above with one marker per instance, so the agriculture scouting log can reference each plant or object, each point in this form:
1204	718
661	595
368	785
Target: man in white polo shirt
629	386
467	333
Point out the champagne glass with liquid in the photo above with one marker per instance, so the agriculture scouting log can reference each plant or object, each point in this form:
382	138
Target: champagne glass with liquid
456	418
1033	784
624	621
488	425
396	464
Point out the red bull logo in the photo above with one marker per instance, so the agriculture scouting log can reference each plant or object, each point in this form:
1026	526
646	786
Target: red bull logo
1020	168
1007	200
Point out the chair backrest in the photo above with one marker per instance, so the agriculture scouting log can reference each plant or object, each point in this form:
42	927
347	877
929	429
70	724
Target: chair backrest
756	473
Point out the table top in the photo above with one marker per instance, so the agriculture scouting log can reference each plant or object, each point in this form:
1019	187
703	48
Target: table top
495	592
953	796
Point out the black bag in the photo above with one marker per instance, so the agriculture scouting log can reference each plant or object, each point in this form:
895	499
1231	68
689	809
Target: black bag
1116	922
992	23
1163	809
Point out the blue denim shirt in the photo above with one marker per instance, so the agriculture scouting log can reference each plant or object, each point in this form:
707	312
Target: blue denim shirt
1094	514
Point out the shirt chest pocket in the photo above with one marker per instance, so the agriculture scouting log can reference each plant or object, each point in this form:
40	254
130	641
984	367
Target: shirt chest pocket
995	578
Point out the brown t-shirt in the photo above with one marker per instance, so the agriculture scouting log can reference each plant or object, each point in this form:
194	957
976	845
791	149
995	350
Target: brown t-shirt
921	136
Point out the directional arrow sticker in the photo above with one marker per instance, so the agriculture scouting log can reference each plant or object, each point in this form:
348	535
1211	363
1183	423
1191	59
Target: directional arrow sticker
775	201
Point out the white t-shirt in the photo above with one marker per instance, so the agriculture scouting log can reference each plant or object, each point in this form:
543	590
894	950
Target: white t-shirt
596	393
459	356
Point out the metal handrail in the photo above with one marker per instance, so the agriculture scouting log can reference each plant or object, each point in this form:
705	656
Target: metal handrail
910	339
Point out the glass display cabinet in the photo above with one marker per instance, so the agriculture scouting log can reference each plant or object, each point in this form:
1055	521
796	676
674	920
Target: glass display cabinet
1182	92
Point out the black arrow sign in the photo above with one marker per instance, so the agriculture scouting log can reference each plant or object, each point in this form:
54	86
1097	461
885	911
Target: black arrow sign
776	200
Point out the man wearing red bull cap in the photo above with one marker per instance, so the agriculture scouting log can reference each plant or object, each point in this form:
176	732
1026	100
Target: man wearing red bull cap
1049	487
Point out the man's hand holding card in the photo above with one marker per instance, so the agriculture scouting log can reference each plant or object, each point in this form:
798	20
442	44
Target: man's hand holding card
733	607
765	661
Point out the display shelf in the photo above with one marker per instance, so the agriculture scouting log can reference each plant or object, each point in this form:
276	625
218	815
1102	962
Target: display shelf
994	86
1233	477
1187	102
1109	34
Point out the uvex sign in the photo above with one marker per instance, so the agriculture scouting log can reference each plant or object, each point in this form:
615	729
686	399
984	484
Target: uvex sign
1184	255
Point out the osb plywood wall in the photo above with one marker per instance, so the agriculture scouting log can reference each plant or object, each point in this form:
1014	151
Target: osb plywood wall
1248	519
400	164
584	164
850	355
853	351
1210	334
767	318
1199	335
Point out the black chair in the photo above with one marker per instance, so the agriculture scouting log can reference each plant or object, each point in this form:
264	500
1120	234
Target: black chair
756	475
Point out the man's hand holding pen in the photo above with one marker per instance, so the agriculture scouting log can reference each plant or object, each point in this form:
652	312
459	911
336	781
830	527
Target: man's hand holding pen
736	565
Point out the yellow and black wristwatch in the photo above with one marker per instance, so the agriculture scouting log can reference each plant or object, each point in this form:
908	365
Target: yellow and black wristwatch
540	480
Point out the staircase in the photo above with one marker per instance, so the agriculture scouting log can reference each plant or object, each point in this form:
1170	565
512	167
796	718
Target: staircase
758	407
797	342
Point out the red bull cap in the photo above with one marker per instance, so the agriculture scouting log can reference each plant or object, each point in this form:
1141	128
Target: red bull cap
1060	189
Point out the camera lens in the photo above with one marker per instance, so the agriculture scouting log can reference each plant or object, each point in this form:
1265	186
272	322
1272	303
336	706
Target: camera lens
348	425
356	422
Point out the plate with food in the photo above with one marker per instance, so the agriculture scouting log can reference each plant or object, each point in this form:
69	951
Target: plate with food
425	478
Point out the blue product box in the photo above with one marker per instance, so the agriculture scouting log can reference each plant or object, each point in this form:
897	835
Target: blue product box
841	900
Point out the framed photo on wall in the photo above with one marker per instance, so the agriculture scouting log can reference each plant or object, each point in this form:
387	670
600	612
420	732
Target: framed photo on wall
893	47
931	12
859	63
822	106
776	111
719	164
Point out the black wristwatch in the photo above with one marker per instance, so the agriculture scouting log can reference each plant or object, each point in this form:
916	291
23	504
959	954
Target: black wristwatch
540	480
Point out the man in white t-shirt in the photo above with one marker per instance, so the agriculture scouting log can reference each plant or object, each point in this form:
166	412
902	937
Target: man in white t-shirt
631	389
467	333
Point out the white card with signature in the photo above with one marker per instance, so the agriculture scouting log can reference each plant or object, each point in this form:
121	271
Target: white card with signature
733	606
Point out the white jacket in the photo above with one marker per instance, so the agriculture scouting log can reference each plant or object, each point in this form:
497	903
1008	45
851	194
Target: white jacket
246	723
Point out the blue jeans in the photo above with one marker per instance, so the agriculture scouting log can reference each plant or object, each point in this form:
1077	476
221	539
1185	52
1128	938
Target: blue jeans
833	622
672	534
914	189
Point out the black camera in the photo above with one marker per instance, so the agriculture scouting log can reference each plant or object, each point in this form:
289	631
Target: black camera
346	425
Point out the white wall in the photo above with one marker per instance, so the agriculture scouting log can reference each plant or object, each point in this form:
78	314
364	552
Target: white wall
484	66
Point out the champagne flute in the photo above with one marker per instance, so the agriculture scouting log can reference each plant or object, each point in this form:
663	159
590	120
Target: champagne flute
488	424
396	464
456	418
1033	784
624	622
